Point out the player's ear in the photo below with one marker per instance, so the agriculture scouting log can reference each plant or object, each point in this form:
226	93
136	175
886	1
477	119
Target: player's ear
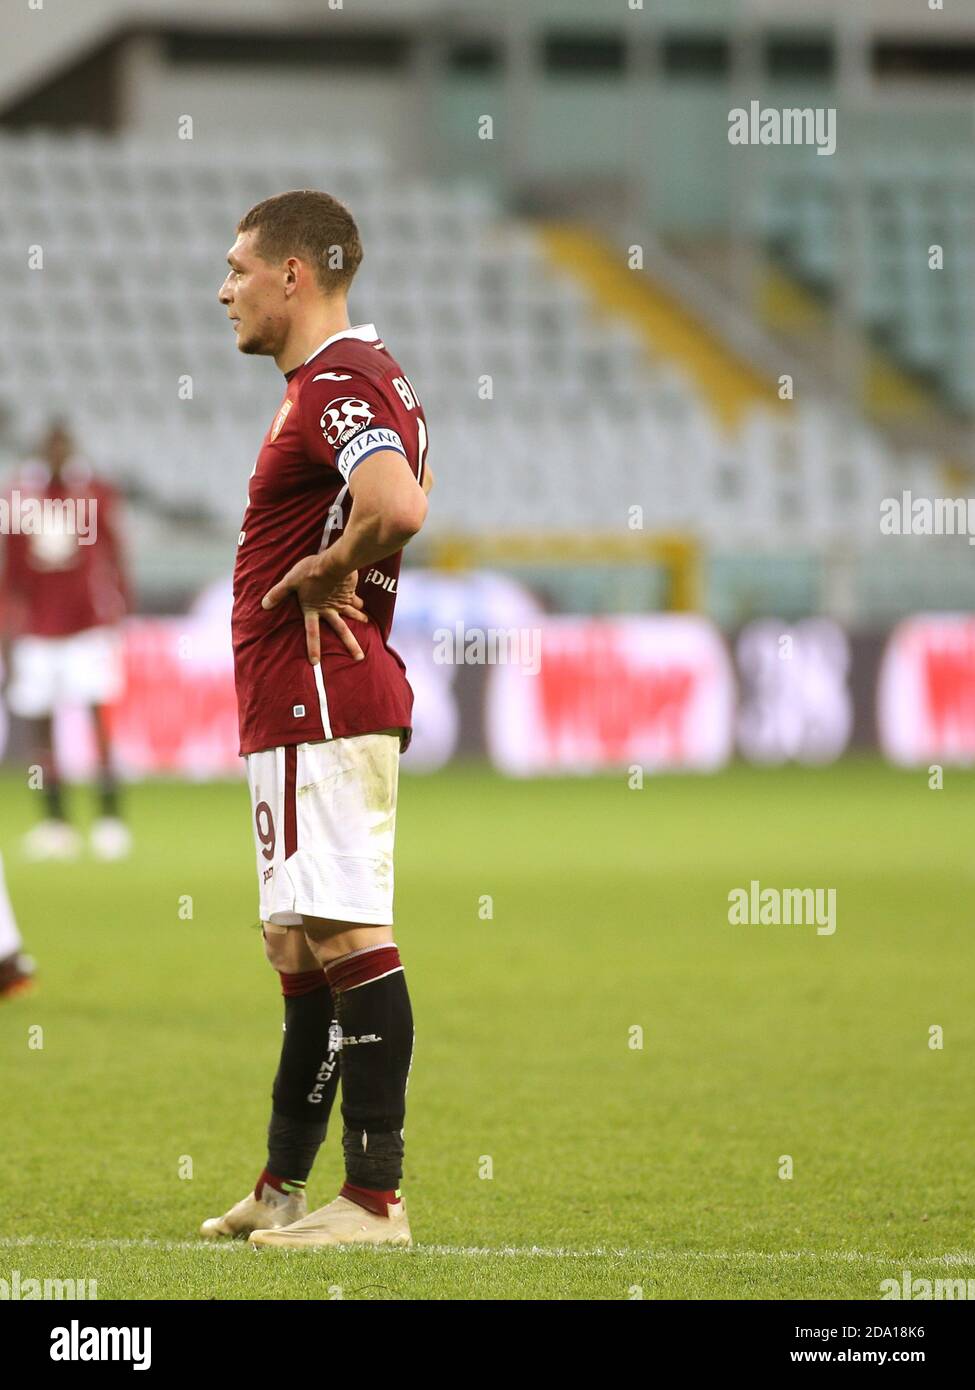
291	272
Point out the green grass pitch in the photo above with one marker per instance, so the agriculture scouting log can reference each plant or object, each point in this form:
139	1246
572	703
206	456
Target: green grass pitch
617	1171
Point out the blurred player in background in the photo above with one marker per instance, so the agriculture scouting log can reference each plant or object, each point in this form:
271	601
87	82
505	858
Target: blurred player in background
16	969
63	591
338	490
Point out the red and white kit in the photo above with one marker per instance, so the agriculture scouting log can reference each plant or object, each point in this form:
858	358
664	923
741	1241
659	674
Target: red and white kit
323	798
64	589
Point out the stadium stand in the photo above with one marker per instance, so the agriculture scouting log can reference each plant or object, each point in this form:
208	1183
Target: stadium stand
540	399
911	201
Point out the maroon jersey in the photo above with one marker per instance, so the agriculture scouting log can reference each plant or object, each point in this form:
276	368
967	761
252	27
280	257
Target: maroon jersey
62	570
350	399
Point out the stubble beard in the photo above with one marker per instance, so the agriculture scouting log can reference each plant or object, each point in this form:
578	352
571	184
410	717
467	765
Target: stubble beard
264	341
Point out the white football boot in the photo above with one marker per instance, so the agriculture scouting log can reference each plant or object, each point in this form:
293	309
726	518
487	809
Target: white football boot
340	1223
110	839
52	839
271	1209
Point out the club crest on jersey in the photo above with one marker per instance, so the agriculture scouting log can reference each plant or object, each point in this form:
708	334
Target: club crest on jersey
280	418
343	418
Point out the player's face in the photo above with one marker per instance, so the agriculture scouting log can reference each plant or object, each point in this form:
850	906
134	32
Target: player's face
253	293
57	449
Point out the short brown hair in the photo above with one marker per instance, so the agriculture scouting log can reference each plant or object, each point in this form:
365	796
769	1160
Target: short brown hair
312	225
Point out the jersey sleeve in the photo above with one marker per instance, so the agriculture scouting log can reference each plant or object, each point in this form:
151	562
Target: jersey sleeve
347	417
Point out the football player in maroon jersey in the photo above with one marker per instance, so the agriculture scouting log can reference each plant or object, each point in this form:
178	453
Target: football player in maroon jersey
64	591
338	489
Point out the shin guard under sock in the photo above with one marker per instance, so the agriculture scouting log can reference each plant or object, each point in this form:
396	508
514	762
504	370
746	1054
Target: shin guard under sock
376	1021
307	1077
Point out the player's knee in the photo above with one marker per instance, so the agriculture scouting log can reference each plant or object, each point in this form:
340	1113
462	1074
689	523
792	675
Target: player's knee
330	941
279	946
287	951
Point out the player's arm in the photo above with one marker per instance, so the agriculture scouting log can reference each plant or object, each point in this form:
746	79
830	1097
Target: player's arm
388	508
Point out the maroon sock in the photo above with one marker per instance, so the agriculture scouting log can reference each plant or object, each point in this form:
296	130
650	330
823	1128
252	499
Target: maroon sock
300	982
369	1197
286	1186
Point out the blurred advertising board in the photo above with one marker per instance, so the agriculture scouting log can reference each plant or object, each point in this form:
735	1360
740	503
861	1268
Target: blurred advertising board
926	691
656	691
795	702
495	676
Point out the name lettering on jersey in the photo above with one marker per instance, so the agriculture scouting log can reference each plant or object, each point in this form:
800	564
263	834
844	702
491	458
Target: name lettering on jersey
241	538
405	390
385	581
365	443
343	418
280	418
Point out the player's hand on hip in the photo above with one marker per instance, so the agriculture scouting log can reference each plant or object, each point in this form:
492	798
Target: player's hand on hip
321	597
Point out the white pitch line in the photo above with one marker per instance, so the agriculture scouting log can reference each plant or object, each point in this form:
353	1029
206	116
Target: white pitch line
515	1251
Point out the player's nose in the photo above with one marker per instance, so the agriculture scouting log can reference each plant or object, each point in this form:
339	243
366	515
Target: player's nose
223	293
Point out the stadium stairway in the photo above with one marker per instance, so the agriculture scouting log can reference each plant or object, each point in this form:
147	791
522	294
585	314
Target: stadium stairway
890	395
798	321
730	384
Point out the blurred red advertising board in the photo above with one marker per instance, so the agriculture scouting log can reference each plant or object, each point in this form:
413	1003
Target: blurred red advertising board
926	691
655	691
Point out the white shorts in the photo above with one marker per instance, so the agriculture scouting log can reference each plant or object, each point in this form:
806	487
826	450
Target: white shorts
324	818
45	672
